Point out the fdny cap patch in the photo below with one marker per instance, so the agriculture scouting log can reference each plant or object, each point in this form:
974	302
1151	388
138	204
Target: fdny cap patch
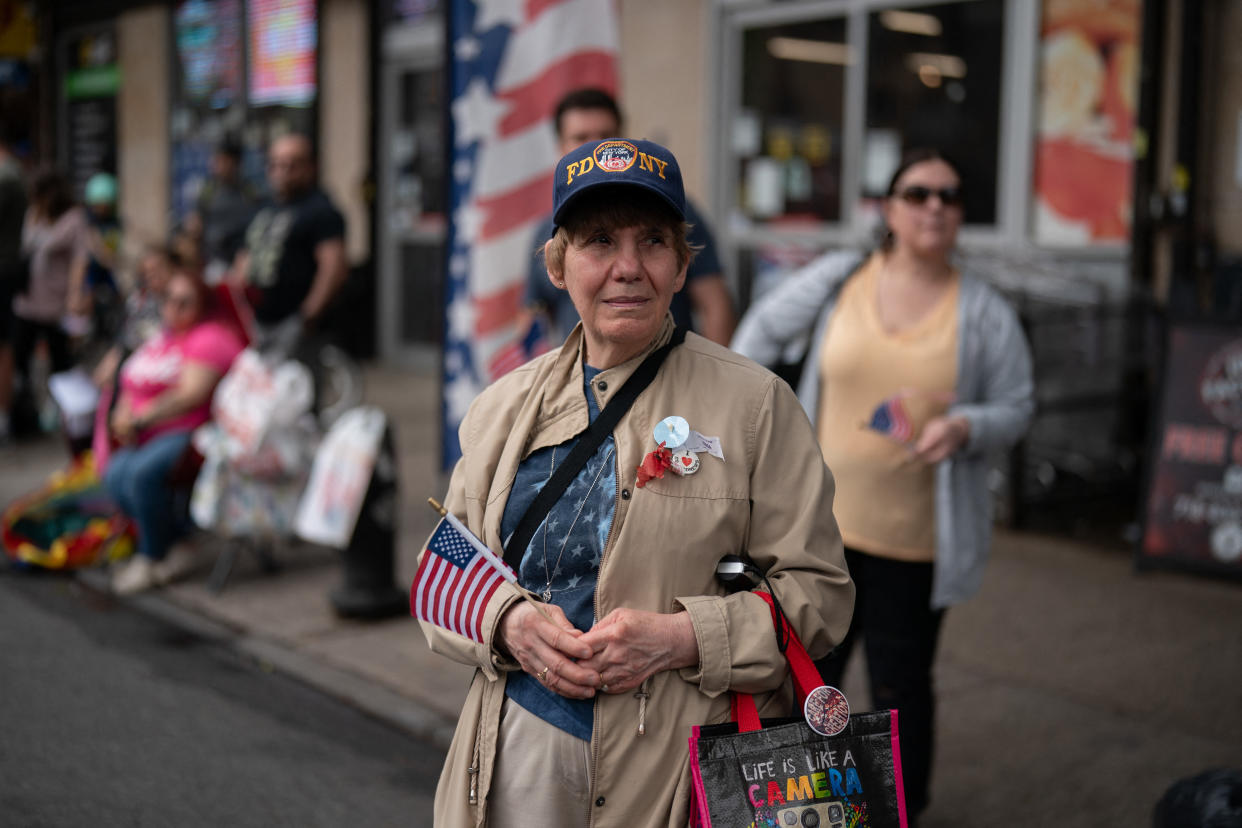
615	156
616	161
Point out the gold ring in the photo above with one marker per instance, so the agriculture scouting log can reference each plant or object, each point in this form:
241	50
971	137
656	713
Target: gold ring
542	674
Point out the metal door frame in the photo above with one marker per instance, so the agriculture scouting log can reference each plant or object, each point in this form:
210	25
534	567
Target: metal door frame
403	49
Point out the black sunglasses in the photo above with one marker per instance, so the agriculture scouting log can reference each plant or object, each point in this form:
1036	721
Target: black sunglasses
918	195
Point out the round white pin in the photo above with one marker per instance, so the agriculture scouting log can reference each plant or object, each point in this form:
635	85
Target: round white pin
685	462
672	432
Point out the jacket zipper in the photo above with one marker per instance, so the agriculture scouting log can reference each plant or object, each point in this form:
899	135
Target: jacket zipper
612	531
473	770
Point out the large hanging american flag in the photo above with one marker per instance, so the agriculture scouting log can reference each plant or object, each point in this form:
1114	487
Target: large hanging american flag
511	61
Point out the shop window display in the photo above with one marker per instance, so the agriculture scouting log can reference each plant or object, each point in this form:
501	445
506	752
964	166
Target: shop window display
934	79
787	134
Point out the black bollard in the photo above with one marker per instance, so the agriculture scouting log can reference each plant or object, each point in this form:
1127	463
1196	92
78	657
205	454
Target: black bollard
369	590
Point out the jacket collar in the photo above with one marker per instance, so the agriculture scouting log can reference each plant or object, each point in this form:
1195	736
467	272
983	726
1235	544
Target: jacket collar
563	412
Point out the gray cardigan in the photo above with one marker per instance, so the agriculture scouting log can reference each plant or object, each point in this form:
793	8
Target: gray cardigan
995	392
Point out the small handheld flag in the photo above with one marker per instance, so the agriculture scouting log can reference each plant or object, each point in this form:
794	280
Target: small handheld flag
891	420
457	577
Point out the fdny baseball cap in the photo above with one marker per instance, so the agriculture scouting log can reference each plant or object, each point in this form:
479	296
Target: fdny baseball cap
616	161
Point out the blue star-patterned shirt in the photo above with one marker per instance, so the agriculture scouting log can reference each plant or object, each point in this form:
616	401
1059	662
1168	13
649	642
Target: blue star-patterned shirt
563	556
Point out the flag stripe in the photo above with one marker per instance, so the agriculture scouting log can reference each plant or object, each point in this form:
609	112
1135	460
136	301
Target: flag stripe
497	310
466	612
458	594
510	161
500	261
461	614
478	615
513	210
447	594
562	30
416	593
532	101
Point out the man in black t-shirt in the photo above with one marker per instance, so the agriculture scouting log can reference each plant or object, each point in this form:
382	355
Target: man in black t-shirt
293	262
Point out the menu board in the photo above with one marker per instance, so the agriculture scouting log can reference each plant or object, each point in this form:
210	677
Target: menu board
283	37
89	88
1193	509
90	128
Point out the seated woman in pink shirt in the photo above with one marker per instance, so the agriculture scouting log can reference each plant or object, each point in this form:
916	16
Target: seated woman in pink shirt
166	388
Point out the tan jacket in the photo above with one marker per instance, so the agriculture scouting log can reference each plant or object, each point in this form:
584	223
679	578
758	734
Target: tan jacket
771	498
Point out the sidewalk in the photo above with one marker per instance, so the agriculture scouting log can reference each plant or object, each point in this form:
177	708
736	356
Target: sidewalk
1072	691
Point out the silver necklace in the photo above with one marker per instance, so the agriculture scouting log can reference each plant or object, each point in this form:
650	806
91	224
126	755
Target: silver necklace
547	586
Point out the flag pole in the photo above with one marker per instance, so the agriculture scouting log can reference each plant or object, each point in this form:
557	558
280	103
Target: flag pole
505	572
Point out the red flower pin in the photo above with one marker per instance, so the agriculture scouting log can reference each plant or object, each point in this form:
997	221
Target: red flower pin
654	464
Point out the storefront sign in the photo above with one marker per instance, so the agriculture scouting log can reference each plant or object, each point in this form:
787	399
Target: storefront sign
1193	511
283	41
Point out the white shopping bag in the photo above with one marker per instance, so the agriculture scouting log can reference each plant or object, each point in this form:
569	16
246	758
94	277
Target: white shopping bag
340	477
77	397
254	398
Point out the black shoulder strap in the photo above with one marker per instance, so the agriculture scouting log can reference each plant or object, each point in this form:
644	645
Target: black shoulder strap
588	441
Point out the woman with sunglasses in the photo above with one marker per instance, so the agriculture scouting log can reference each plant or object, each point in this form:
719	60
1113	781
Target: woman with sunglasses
915	373
166	388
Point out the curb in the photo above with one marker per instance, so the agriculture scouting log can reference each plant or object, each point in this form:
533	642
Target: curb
366	696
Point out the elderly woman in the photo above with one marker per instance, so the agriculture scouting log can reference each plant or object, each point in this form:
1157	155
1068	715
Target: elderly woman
166	388
936	362
581	705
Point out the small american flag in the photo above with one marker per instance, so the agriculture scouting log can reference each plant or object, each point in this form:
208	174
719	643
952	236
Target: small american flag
455	580
891	420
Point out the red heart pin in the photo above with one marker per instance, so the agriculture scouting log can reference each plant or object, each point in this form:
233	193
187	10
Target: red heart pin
686	461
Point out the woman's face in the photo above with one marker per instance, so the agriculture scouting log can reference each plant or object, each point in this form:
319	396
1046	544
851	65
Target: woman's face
621	281
917	213
182	304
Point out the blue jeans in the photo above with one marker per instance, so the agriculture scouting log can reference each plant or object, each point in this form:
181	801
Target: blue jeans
137	479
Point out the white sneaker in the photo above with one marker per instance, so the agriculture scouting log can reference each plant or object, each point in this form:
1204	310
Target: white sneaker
181	559
135	575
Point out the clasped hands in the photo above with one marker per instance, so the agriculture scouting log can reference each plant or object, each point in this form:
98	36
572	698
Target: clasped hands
617	655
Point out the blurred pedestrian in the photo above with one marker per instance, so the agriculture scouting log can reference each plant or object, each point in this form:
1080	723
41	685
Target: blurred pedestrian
144	308
293	259
56	240
224	208
590	114
915	374
12	266
166	388
94	303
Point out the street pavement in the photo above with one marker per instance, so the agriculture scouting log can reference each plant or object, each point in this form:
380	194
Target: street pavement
112	717
1072	691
